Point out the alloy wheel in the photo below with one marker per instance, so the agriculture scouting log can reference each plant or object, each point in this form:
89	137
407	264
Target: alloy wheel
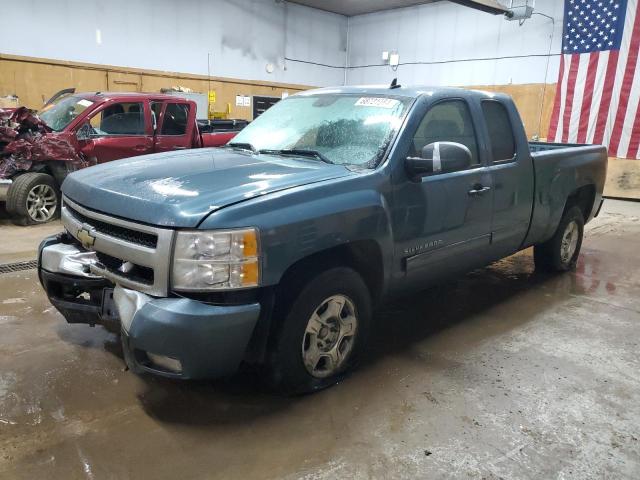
330	336
42	203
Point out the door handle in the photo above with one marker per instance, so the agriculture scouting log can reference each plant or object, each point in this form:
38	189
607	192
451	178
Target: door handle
140	148
479	190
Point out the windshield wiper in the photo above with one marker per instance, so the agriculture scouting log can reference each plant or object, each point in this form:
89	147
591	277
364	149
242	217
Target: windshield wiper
299	152
243	146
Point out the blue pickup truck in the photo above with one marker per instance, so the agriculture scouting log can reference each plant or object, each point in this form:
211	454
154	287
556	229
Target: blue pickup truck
274	250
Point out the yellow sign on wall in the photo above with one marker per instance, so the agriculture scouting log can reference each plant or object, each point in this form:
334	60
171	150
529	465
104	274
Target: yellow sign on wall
212	96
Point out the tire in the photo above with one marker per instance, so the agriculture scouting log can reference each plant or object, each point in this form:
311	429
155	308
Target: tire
560	253
293	344
27	192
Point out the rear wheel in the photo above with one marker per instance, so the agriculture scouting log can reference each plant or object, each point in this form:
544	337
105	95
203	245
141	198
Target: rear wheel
322	334
33	198
561	252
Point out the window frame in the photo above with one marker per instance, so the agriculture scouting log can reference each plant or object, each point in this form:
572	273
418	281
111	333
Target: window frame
479	161
156	119
99	110
490	143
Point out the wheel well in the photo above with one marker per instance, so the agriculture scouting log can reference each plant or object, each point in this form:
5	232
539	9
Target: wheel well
583	197
364	256
39	167
52	170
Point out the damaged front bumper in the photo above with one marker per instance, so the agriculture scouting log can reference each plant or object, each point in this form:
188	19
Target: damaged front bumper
171	336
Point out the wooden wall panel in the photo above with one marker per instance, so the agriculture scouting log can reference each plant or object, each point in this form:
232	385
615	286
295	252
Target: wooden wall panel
623	179
534	101
34	83
124	82
34	80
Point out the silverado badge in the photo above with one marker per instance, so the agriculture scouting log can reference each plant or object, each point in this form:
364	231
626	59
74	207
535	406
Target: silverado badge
86	238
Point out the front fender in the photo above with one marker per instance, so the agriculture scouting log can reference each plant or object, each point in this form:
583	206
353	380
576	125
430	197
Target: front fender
303	221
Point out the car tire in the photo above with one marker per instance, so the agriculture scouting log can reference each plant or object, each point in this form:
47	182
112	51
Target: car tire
339	338
33	198
560	253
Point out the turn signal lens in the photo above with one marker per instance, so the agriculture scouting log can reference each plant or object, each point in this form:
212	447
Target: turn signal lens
250	244
250	273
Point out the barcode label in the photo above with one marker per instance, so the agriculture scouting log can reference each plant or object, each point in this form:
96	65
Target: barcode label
380	102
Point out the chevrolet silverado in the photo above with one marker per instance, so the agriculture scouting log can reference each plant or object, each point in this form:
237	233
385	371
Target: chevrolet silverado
274	250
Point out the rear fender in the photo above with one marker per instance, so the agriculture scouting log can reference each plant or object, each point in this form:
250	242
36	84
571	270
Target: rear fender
559	176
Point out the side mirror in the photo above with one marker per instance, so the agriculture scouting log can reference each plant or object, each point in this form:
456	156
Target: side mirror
84	132
439	157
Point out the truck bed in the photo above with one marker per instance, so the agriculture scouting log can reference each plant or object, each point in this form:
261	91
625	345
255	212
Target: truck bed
215	133
535	147
559	170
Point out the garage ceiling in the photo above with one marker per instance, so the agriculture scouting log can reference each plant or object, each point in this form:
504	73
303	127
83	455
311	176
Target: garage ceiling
358	7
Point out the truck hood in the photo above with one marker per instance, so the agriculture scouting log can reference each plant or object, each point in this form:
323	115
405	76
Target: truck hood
178	189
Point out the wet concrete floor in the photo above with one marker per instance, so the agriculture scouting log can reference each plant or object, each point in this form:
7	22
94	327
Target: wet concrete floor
18	243
503	374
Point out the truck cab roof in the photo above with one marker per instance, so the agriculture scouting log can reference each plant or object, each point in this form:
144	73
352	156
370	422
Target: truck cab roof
413	91
130	96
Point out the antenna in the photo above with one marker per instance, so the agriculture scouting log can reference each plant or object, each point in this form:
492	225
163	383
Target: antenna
394	84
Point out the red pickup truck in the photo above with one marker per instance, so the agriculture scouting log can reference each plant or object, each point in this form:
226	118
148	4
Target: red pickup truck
79	130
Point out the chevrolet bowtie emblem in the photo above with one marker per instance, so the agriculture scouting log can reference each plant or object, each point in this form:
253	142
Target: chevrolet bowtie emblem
86	238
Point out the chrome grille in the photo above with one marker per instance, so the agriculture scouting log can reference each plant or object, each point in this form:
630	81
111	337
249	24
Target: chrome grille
147	249
134	272
132	236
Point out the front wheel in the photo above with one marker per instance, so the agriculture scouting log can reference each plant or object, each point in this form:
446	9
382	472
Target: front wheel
33	198
561	252
322	334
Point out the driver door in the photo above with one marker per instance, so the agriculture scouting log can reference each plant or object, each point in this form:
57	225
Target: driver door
443	220
119	130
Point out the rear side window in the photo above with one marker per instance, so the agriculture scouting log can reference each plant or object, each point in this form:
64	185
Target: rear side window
448	121
503	145
175	119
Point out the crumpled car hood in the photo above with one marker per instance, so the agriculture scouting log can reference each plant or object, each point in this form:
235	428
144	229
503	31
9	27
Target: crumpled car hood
25	138
179	189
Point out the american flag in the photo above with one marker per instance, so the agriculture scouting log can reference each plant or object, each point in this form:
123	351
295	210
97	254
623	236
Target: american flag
599	81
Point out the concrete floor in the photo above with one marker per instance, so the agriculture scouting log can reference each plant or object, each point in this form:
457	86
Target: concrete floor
19	243
503	374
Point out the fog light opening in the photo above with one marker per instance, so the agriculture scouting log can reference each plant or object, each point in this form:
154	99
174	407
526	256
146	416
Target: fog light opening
165	363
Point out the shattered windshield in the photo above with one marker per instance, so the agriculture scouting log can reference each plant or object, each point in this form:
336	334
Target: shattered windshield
64	111
337	128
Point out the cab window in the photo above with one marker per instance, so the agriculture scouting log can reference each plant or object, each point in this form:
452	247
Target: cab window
448	121
496	117
119	119
175	119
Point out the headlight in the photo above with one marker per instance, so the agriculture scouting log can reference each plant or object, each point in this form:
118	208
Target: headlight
216	260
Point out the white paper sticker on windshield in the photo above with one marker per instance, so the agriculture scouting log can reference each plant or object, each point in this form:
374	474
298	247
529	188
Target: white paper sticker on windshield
85	103
380	102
